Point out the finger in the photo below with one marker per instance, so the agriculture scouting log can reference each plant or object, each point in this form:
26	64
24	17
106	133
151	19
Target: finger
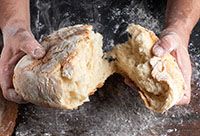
30	46
186	99
7	86
7	64
184	63
166	44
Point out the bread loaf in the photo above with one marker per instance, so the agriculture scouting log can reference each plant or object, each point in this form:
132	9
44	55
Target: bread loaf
160	80
74	67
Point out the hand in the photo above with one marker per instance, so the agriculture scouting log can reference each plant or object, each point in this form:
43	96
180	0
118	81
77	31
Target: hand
176	42
17	42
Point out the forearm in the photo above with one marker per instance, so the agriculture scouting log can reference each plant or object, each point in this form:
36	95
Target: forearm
182	14
14	13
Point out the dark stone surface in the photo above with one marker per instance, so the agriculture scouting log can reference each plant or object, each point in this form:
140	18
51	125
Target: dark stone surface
115	109
107	16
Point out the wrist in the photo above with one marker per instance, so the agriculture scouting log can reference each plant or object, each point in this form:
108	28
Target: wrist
180	30
179	26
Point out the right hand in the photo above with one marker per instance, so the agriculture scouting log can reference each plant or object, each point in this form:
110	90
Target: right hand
18	41
176	43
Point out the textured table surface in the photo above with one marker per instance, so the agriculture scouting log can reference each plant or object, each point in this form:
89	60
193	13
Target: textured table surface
115	109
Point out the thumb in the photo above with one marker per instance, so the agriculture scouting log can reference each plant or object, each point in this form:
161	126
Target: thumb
166	44
30	46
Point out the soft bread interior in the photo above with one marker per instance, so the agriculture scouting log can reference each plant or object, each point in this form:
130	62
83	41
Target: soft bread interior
74	67
160	80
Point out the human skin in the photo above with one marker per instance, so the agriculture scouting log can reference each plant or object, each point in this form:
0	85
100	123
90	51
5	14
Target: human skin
18	41
181	17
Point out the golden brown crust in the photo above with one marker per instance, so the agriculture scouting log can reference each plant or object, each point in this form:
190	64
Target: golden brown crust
67	75
64	78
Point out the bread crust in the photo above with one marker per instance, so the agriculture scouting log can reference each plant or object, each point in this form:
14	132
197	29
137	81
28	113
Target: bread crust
74	68
160	80
67	75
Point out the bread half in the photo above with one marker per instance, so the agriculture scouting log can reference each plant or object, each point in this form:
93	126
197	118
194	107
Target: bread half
160	82
74	67
71	70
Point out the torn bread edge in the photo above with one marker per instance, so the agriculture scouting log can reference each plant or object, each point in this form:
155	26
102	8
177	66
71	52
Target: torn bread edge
163	76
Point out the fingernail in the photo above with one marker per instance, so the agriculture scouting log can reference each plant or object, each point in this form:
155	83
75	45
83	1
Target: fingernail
38	53
158	50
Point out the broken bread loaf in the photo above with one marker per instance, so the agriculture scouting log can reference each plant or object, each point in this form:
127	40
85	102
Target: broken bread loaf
71	70
160	80
74	67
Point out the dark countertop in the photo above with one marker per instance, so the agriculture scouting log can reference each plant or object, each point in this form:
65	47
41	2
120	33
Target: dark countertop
115	109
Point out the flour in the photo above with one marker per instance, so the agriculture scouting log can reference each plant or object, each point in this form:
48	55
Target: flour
115	109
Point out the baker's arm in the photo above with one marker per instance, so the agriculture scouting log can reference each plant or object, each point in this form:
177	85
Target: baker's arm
18	41
181	17
14	12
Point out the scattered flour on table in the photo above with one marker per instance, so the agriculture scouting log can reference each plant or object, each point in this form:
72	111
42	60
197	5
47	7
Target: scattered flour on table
115	110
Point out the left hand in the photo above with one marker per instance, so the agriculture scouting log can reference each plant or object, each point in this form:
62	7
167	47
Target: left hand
18	41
